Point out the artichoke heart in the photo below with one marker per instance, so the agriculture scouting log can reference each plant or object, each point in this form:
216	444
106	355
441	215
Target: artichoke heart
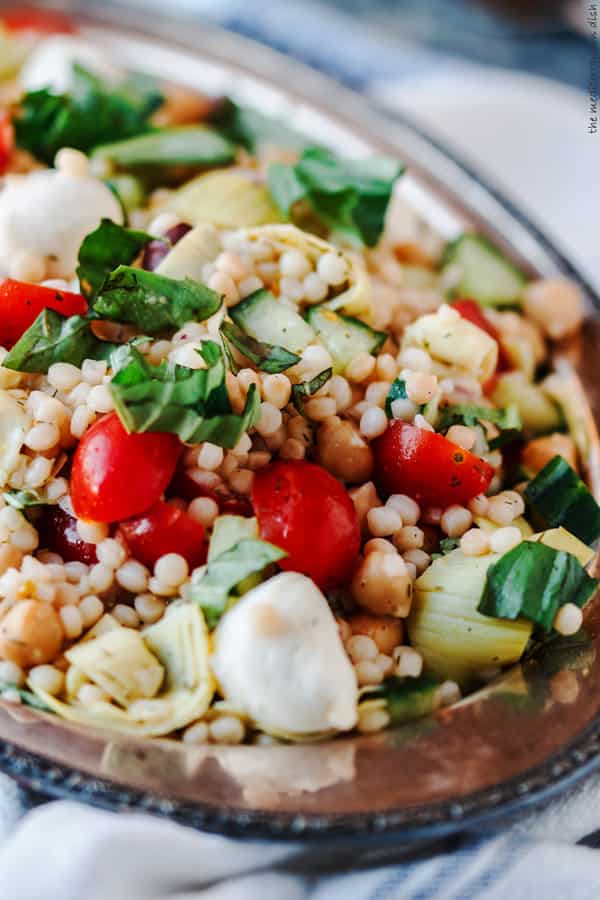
189	255
14	423
355	298
179	646
455	640
227	198
120	663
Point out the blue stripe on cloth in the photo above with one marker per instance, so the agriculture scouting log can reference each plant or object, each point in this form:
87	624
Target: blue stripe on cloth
513	849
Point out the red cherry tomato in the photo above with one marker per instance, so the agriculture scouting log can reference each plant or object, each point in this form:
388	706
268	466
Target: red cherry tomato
427	466
21	303
7	140
116	475
303	509
164	529
58	532
42	21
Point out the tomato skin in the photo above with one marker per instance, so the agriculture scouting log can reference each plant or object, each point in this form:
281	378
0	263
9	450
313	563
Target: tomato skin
164	529
304	510
7	140
116	475
183	485
427	466
58	532
21	303
42	21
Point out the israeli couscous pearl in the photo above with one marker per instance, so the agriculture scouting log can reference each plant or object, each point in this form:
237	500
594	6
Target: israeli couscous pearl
383	521
340	390
197	733
332	268
372	720
126	615
294	264
505	507
64	376
292	448
47	678
373	422
409	537
241	481
403	409
72	621
320	408
149	608
360	367
568	620
133	577
72	162
210	456
407	508
378	545
475	542
171	569
456	520
449	692
277	390
420	387
93	371
415	359
111	553
361	648
409	663
203	510
91	609
11	673
368	672
504	539
270	419
463	436
226	730
418	558
42	437
479	505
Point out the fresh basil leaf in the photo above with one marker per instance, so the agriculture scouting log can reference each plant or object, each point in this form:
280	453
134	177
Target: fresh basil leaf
349	196
558	497
153	302
305	389
102	251
471	415
212	587
27	697
181	145
534	581
397	391
253	129
52	338
192	403
267	357
91	113
26	499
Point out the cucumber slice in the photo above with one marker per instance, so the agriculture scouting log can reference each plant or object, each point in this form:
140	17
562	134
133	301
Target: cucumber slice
558	497
344	336
193	145
263	317
406	699
539	414
486	274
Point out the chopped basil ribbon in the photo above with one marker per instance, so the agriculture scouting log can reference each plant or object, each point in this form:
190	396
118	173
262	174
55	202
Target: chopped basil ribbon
534	581
307	388
91	113
153	302
397	391
212	587
102	251
469	414
191	403
52	338
349	196
26	499
267	357
557	496
253	129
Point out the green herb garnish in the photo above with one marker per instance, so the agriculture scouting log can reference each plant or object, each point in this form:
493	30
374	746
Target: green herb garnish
211	588
102	251
267	357
52	338
91	113
534	581
191	403
348	196
300	392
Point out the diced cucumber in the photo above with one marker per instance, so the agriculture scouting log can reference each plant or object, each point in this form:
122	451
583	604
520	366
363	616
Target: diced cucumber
558	496
406	699
263	317
486	274
227	531
538	413
344	336
190	145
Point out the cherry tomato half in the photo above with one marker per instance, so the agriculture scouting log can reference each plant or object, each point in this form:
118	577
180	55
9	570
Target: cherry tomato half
427	466
183	485
116	475
7	140
303	509
21	303
41	21
164	529
58	532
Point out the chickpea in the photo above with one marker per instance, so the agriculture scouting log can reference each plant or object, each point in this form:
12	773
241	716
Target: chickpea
344	452
556	305
383	585
537	453
364	498
386	631
30	634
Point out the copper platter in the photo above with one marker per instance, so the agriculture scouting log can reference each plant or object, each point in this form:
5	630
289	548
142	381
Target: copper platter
514	744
